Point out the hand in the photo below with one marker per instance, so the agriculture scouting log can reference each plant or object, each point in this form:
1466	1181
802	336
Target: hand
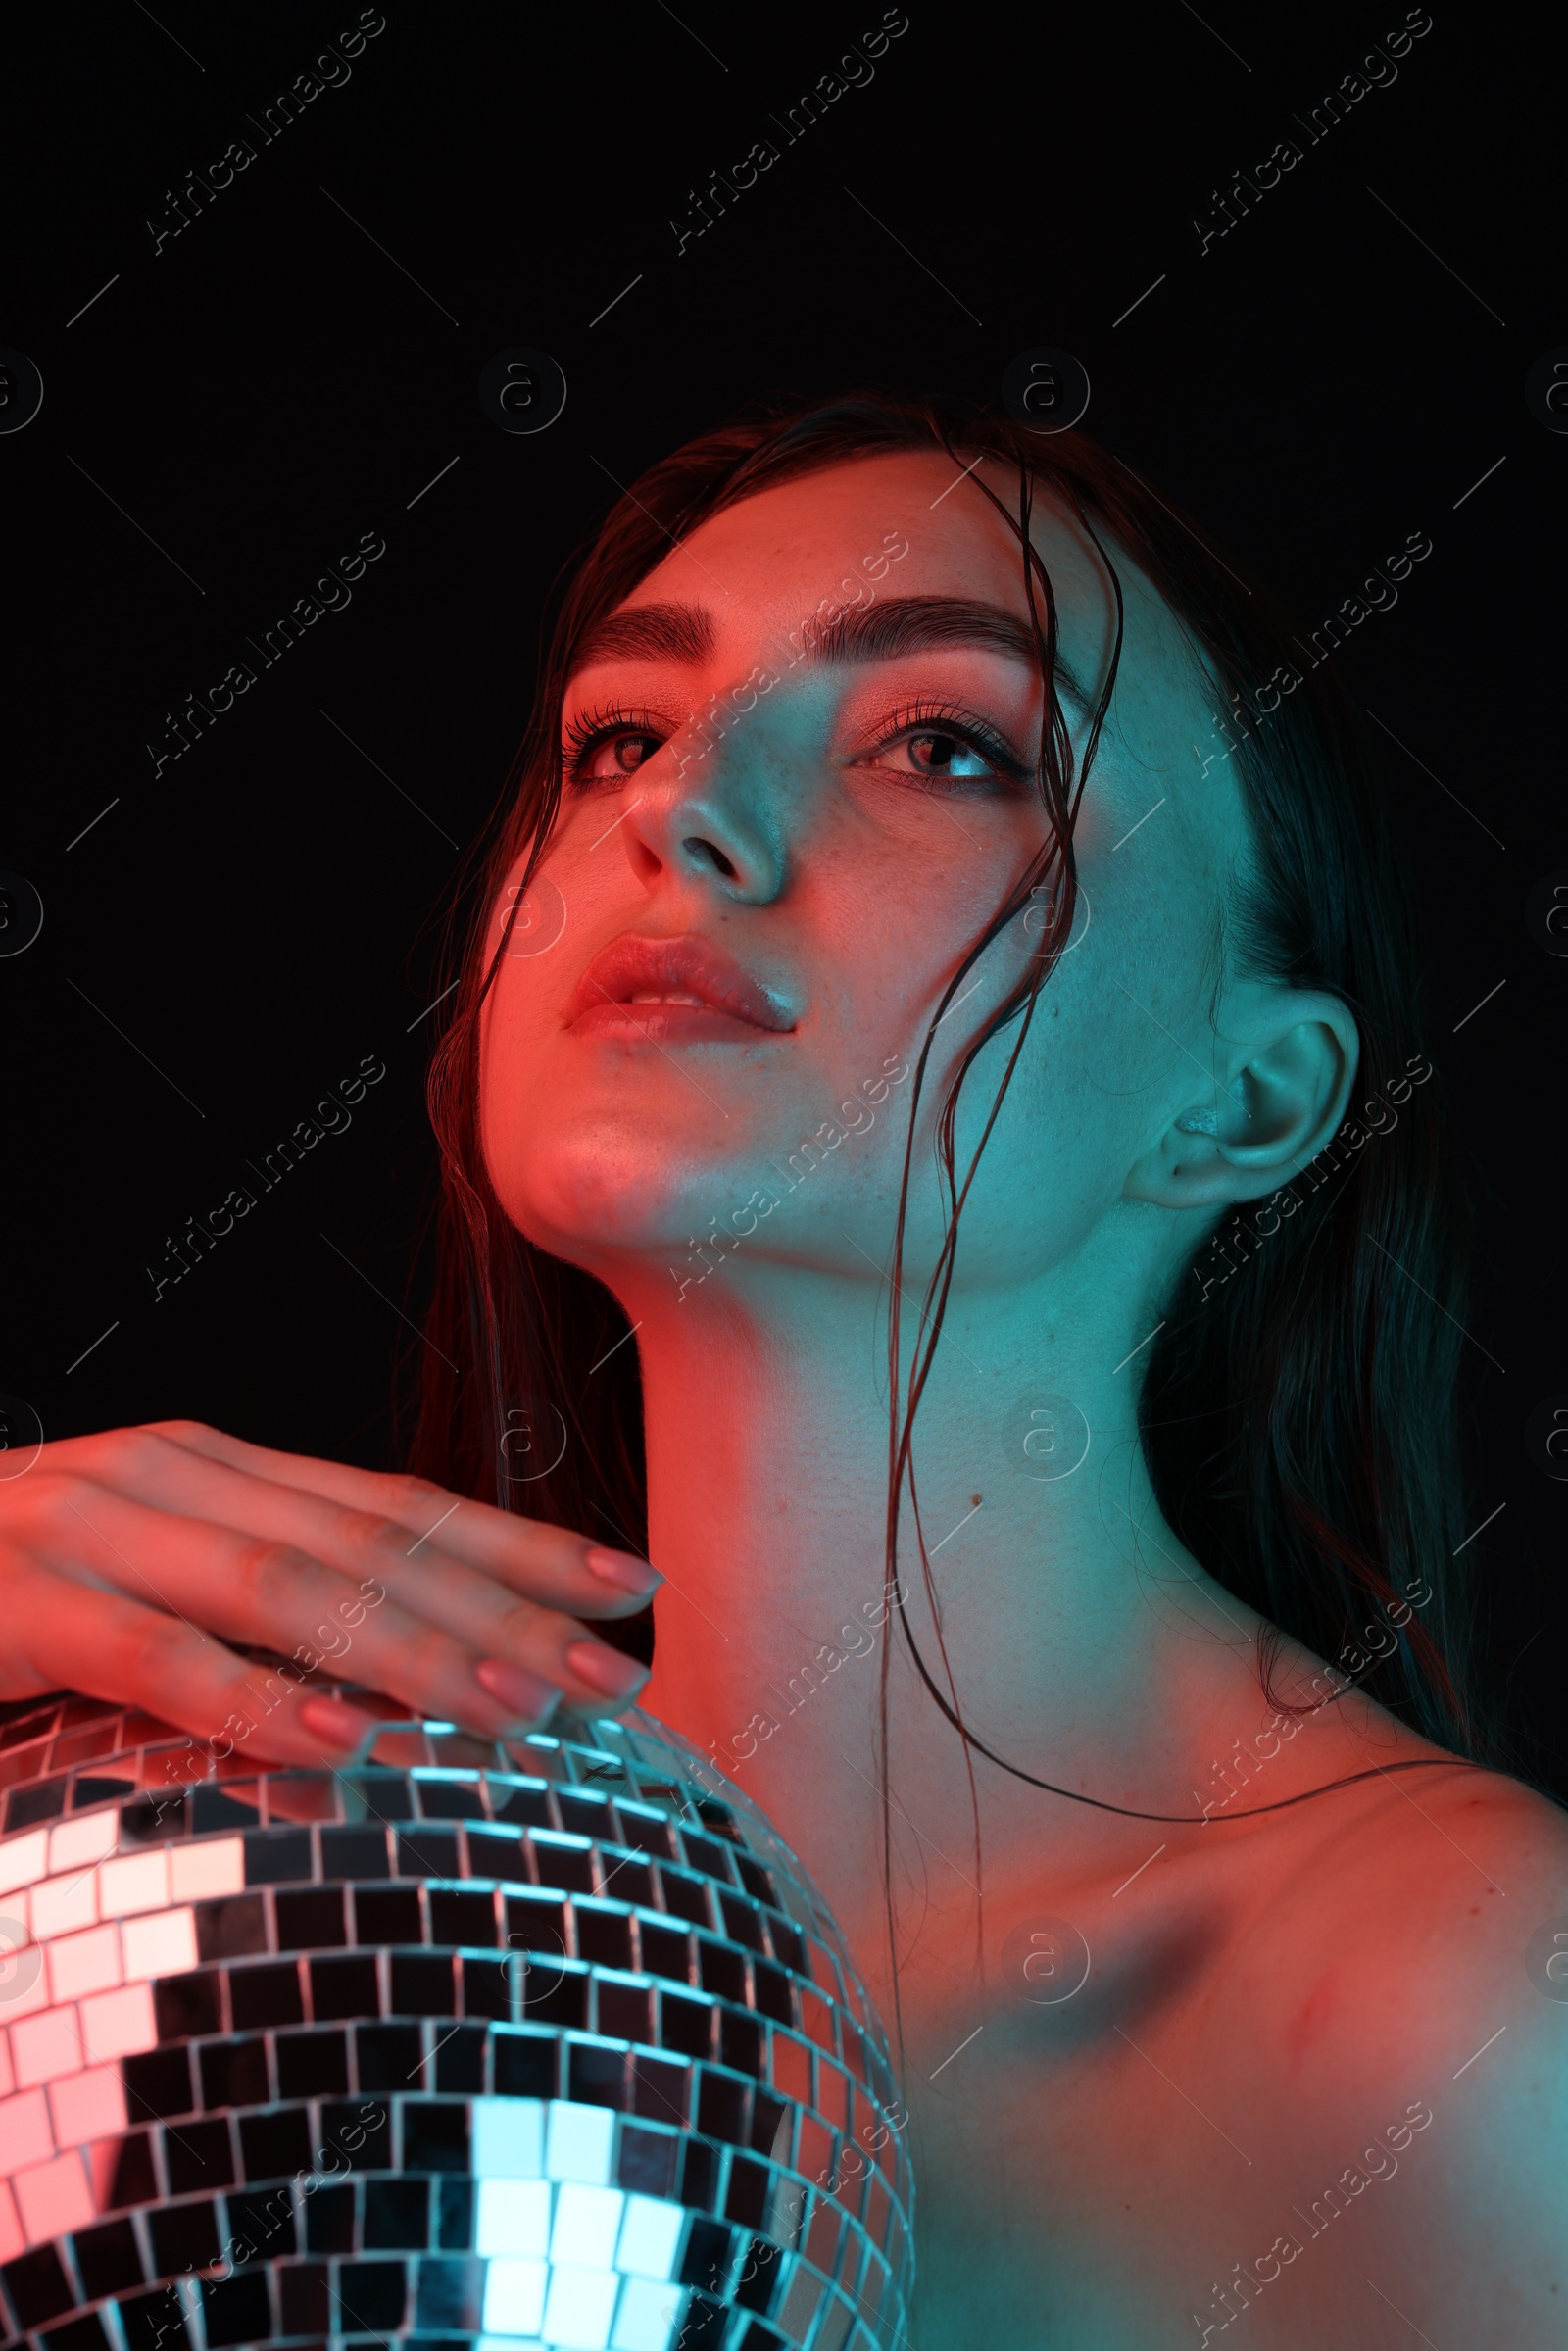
128	1558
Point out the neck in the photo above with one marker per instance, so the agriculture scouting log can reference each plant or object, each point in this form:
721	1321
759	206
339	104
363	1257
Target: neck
1072	1633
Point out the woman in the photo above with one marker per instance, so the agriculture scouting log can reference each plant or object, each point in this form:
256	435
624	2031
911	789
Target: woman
936	893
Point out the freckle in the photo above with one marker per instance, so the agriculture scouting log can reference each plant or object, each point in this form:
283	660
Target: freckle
975	1498
1475	1912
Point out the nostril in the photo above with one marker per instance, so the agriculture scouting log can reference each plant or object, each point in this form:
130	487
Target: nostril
706	849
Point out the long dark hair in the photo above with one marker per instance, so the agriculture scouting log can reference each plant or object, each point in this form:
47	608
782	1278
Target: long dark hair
1299	1411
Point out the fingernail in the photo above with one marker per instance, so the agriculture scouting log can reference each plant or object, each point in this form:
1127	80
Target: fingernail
623	1569
529	1696
602	1668
336	1724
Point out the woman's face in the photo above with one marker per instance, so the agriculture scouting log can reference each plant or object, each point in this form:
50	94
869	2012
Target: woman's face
806	820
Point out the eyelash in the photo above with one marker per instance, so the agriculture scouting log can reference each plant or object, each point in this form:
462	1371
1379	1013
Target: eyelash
949	718
591	729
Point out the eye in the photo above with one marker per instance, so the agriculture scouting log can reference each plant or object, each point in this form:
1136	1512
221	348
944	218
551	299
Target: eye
601	747
945	749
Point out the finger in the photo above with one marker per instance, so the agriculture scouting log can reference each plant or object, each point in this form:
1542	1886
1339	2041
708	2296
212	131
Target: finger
256	1588
426	1582
120	1650
550	1564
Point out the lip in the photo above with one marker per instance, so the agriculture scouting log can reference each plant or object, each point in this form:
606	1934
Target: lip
690	990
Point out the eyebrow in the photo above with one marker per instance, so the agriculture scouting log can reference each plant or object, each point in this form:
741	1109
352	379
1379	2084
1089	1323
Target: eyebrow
665	633
902	624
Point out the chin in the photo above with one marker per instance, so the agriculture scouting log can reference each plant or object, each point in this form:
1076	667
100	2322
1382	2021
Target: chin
608	1191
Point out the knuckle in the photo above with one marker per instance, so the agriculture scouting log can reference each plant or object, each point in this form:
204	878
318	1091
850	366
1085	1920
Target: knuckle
370	1534
525	1620
446	1661
52	1502
267	1570
408	1492
148	1644
132	1454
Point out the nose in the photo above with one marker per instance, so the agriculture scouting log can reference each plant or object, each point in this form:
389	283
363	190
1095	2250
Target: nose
704	818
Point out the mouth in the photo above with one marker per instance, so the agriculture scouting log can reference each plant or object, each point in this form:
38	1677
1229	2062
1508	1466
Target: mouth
676	989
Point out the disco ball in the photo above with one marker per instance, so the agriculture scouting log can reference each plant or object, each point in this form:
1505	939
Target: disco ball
545	2043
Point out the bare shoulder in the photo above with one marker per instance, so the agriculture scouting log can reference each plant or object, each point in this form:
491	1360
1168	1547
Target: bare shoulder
1408	1975
1431	1880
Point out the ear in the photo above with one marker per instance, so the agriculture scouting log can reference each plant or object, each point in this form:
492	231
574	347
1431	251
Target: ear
1279	1095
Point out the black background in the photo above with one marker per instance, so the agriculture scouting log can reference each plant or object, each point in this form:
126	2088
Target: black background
299	364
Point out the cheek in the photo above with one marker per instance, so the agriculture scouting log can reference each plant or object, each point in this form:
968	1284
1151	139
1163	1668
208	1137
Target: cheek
1072	1123
1051	1167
